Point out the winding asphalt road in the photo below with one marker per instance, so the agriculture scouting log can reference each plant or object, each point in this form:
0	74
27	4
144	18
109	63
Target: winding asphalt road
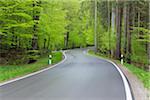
80	77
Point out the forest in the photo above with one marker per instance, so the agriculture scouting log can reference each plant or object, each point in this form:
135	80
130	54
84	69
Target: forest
123	28
30	29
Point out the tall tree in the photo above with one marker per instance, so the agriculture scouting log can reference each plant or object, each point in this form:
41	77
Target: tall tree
95	26
113	20
36	16
127	32
109	22
118	29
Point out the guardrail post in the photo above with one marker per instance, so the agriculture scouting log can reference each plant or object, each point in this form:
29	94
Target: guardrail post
50	59
122	59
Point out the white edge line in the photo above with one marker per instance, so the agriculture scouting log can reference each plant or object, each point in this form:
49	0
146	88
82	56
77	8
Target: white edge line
34	73
126	84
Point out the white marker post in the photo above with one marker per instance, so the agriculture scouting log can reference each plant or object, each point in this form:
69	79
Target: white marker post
122	59
50	60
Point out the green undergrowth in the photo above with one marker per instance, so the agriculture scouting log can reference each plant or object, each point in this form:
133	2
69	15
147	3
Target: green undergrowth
141	74
8	72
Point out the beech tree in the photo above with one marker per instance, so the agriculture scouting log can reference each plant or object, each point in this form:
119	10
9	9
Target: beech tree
32	28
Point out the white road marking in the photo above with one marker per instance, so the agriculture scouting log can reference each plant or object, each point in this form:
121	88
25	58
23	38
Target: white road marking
126	84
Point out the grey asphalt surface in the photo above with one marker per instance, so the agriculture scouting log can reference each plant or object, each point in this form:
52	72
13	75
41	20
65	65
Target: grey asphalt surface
80	77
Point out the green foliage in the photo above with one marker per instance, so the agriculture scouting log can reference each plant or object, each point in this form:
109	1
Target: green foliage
15	25
52	26
138	45
79	28
33	55
133	32
56	57
41	25
141	74
143	34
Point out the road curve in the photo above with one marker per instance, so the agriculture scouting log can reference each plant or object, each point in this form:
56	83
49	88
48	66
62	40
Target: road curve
80	77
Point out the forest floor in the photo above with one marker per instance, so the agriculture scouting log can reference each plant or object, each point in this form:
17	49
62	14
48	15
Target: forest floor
8	72
138	78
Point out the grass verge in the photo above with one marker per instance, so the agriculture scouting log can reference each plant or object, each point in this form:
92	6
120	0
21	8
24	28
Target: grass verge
8	72
141	74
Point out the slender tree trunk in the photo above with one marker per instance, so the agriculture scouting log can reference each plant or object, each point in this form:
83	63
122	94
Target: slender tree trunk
125	28
139	15
35	27
109	28
66	38
118	29
133	21
44	43
113	20
95	27
48	44
130	25
127	35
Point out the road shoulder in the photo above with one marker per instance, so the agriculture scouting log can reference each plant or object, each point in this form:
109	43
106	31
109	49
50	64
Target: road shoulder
137	87
139	92
35	73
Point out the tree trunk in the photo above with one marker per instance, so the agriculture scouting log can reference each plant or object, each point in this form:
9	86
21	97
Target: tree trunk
113	20
125	28
35	27
113	15
138	22
118	29
109	28
66	38
130	25
48	44
95	27
127	35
